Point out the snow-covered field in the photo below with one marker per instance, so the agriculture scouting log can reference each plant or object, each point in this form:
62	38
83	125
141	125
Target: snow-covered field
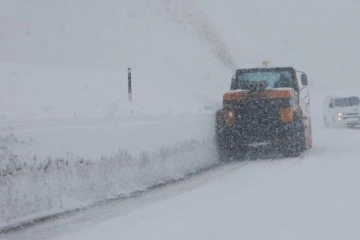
69	137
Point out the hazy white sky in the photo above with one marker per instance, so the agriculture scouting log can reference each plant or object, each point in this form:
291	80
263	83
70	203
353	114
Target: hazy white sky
321	37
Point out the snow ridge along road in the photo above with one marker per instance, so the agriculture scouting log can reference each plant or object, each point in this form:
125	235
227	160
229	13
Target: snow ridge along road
55	166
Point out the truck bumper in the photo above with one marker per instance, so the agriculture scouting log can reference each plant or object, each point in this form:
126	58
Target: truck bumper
267	136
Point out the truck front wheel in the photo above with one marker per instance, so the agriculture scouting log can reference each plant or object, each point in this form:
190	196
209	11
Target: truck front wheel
296	140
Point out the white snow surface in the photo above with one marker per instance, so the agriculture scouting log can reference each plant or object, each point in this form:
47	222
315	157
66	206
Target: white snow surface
310	197
69	137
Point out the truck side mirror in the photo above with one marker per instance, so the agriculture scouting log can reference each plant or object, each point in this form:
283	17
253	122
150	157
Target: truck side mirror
331	105
304	79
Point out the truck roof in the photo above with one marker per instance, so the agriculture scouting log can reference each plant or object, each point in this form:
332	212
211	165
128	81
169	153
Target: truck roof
264	69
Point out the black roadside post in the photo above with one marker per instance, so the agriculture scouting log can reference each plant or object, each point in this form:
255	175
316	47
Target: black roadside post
129	85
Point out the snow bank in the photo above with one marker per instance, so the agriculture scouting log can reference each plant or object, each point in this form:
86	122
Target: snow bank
33	190
70	137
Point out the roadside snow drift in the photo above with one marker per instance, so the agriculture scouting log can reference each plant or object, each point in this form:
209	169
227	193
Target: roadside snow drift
69	139
36	189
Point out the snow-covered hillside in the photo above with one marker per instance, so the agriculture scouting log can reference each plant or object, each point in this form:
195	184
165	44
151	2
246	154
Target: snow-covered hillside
38	93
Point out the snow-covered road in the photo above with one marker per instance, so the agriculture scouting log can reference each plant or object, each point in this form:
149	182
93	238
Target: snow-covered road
314	196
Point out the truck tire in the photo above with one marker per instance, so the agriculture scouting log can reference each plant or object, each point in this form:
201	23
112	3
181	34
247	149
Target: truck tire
226	149
297	140
224	153
222	141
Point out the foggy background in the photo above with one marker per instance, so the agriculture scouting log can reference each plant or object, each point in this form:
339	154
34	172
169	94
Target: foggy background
186	41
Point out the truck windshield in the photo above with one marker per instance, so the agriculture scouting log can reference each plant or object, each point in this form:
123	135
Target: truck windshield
274	78
347	102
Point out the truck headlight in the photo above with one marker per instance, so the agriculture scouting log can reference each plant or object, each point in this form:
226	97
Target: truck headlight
229	116
286	114
339	114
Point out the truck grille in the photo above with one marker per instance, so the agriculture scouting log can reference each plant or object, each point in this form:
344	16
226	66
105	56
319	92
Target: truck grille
257	120
257	112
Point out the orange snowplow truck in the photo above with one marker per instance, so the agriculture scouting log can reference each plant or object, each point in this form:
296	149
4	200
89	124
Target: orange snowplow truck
266	109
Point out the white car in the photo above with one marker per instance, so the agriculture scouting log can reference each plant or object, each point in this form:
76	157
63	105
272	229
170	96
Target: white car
341	111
